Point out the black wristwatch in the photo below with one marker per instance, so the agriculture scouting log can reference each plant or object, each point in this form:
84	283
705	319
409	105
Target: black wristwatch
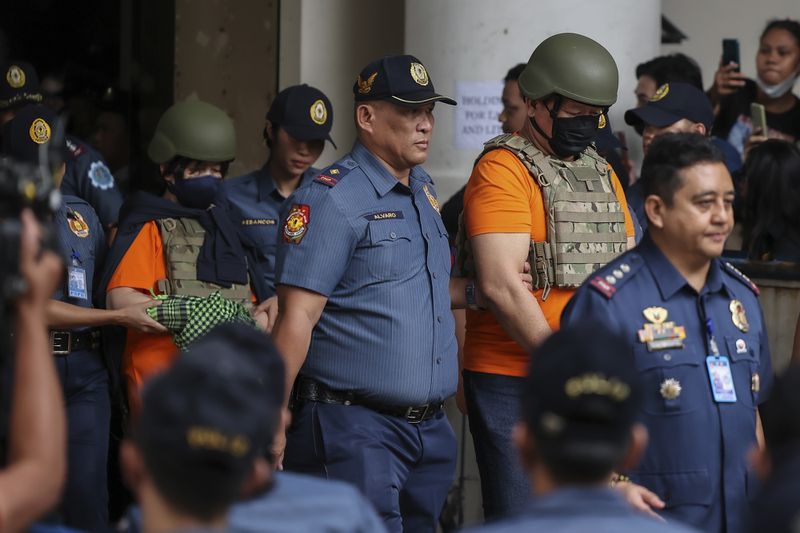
469	295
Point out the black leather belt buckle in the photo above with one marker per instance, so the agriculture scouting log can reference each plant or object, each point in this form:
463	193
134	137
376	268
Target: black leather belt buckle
416	414
61	342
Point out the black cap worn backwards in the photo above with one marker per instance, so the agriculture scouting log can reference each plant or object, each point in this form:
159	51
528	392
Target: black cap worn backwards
304	112
402	80
671	103
209	416
19	85
582	394
29	136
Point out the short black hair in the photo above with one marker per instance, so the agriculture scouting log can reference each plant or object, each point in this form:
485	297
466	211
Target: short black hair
672	68
792	26
515	72
668	156
779	415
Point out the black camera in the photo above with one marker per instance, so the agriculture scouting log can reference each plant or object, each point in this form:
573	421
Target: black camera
22	186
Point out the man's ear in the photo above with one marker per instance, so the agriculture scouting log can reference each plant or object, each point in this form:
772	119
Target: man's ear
269	131
259	475
654	207
365	116
700	128
132	465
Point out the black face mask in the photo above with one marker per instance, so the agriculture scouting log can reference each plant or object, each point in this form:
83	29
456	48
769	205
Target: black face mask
571	135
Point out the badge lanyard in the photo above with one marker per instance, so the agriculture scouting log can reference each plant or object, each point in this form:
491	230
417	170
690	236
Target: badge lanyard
719	370
76	277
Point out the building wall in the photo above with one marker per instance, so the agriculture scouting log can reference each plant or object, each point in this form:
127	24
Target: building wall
326	44
226	54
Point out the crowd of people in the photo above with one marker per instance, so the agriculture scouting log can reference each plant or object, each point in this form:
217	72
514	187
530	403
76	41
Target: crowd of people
273	351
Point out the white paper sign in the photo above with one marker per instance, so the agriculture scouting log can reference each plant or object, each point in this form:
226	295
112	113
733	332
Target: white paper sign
479	104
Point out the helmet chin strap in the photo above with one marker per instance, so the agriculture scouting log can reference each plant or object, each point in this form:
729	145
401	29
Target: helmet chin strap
553	114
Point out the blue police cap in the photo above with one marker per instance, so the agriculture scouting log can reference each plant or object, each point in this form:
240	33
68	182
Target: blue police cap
671	103
403	80
304	112
582	393
19	85
212	413
30	136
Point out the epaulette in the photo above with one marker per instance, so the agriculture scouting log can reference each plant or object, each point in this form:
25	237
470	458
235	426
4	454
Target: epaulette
75	150
331	175
617	274
736	273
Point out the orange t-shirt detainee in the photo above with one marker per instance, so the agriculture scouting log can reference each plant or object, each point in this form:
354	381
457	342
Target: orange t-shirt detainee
501	197
145	354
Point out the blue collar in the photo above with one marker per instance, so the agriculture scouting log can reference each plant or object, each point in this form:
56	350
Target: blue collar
577	500
667	277
379	175
266	186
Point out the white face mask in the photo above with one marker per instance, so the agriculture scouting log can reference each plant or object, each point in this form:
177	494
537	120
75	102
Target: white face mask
779	89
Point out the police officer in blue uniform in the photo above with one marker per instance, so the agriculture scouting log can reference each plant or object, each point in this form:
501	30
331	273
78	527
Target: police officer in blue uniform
298	123
87	176
365	325
697	334
579	406
27	138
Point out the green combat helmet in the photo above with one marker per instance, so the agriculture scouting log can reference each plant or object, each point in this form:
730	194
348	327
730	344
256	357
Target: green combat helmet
574	67
195	130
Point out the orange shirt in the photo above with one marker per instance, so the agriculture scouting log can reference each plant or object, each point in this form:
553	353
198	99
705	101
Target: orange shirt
501	197
145	353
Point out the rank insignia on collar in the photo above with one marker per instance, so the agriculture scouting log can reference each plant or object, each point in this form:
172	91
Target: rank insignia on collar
77	224
431	198
739	316
660	334
656	315
296	224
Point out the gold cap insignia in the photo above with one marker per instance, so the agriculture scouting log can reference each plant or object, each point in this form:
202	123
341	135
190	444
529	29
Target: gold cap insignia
419	74
364	87
670	389
660	93
602	121
738	316
39	131
319	113
15	76
656	315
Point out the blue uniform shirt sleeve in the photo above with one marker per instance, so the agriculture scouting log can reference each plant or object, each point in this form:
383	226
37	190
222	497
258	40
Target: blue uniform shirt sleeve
317	258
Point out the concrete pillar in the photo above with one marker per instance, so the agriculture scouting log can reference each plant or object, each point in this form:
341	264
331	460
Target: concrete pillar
326	44
473	40
226	54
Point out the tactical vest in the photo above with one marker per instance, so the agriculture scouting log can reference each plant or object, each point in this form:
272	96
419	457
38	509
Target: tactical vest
183	238
585	221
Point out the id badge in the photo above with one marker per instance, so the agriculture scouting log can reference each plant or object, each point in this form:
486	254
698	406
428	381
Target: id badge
76	284
719	373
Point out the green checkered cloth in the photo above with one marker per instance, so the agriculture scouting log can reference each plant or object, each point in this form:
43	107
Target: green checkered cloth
190	317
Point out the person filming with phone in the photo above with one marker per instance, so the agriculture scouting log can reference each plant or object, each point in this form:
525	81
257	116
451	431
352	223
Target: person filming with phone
777	68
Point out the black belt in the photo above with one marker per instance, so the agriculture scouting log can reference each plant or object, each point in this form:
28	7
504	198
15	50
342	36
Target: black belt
65	342
309	390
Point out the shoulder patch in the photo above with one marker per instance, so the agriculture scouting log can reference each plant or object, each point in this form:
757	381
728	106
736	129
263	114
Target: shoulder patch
331	175
616	274
100	176
736	273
